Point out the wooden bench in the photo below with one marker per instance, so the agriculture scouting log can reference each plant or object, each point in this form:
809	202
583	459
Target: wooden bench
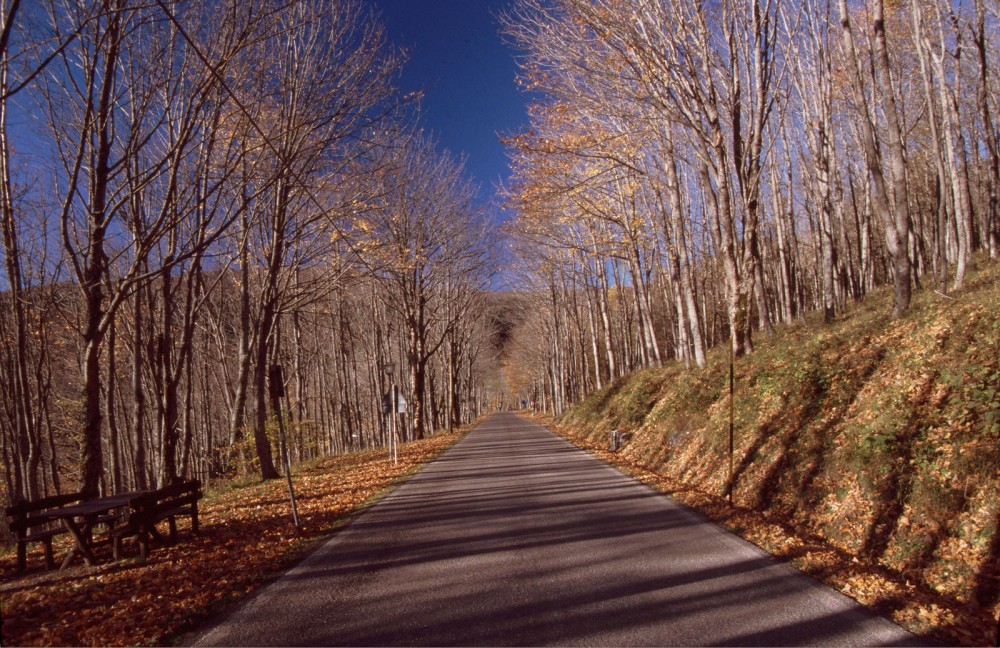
167	503
30	524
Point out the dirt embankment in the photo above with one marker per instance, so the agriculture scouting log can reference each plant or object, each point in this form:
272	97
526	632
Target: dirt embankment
878	440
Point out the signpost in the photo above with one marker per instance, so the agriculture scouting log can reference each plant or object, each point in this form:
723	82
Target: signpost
392	404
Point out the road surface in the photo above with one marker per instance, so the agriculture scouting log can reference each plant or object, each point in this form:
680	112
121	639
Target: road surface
515	537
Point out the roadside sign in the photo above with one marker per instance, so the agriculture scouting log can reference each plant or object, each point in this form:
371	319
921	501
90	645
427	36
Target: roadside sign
387	403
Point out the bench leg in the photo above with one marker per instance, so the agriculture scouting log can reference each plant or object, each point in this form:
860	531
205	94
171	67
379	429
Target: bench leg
22	555
173	528
50	560
73	553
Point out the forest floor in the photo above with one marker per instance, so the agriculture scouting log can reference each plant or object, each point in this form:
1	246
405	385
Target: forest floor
247	537
920	610
865	451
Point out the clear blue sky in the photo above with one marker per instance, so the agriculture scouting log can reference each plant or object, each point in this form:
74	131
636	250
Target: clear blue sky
457	57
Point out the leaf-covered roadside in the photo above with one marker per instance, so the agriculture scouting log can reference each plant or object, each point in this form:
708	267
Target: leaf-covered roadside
246	535
919	609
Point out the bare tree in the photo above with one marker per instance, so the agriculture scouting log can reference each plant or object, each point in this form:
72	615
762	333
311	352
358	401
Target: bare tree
25	434
332	78
431	256
125	126
893	212
989	135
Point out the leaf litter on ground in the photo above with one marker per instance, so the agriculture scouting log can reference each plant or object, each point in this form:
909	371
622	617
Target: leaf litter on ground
247	536
919	609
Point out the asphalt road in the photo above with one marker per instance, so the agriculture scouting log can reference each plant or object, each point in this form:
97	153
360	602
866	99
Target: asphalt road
515	537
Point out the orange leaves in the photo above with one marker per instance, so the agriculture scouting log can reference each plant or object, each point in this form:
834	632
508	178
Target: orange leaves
247	533
934	612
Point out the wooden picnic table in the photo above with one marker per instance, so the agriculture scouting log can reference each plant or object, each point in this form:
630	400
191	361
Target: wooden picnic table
133	513
80	520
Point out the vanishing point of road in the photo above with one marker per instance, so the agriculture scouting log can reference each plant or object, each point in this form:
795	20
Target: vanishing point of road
515	537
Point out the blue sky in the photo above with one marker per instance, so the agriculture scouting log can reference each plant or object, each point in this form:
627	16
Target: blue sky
457	57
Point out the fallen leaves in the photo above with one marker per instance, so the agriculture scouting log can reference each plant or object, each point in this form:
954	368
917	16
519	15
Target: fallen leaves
246	536
919	608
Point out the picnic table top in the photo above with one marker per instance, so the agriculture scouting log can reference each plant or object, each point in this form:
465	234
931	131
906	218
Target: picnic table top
91	506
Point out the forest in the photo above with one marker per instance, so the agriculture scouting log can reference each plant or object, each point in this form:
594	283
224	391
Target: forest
699	173
221	226
222	223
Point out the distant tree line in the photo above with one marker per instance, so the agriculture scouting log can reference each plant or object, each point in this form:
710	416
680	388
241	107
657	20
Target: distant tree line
696	172
192	192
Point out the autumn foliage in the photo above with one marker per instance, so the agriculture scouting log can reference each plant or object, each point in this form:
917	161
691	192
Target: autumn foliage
866	452
246	536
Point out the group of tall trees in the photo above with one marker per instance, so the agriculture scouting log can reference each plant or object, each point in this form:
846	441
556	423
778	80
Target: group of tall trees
695	172
195	192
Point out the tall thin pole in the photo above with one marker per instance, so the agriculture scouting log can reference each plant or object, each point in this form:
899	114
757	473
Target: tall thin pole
395	410
393	405
732	384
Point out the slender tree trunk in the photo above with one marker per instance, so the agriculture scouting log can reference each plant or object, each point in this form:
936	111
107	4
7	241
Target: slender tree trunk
244	357
940	256
719	207
895	219
954	144
826	240
602	303
690	308
138	395
454	396
25	435
786	271
418	368
897	164
989	135
261	441
168	396
111	391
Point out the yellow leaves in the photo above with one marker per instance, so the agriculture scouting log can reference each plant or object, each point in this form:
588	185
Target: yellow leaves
246	531
364	225
941	612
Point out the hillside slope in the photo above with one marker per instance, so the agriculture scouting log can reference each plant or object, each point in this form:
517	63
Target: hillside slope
879	437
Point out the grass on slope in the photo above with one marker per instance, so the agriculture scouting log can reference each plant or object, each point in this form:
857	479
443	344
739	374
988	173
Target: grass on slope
878	438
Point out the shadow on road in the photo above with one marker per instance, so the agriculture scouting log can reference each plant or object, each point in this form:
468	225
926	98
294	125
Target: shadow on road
514	537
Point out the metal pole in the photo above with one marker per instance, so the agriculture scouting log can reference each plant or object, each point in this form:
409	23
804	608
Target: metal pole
393	395
732	383
395	407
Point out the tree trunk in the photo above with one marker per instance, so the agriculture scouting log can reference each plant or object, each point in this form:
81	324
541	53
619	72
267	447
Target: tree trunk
138	396
690	308
165	360
113	442
719	207
895	220
261	441
238	415
26	436
989	135
784	230
897	165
